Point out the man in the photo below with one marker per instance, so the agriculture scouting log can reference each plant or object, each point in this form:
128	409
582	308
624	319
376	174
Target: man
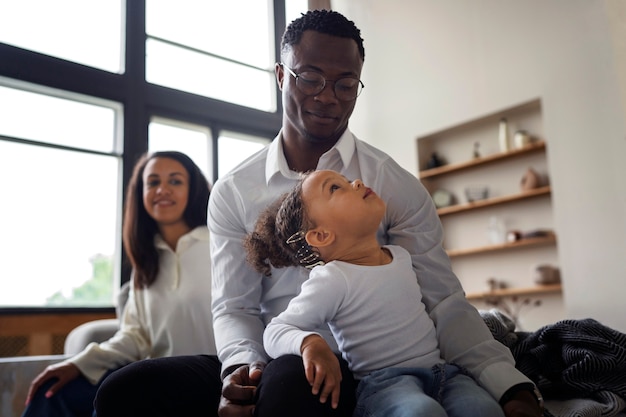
321	60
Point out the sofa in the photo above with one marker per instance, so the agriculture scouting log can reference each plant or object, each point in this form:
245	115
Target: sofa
16	373
96	330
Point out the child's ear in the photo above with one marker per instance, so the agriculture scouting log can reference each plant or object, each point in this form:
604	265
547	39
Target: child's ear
319	237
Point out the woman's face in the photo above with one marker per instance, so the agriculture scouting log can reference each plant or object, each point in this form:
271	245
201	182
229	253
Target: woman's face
165	190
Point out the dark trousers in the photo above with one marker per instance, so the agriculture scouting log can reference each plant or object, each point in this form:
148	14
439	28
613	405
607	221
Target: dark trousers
191	385
285	392
171	386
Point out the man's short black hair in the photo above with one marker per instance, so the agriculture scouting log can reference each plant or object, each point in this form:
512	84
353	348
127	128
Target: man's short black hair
323	21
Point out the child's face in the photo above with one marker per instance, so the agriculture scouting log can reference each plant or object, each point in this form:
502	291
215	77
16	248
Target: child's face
347	208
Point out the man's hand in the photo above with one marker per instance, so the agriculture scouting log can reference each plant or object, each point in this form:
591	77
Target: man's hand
64	372
238	390
522	404
322	369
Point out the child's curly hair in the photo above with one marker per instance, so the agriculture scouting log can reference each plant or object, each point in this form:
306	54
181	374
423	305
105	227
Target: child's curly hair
281	221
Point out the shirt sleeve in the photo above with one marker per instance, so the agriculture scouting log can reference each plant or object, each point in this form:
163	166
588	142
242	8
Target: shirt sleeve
130	343
236	288
412	222
316	305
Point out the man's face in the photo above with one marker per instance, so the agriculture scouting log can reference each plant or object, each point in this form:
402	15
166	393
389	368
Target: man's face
322	117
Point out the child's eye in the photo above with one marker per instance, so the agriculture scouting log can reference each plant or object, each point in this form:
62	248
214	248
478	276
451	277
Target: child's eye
334	187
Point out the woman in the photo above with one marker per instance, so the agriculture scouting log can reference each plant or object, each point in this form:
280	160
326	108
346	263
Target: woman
168	312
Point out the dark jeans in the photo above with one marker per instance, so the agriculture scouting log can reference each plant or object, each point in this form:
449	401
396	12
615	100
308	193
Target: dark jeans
74	399
191	385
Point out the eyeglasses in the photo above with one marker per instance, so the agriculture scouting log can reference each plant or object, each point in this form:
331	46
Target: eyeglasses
312	83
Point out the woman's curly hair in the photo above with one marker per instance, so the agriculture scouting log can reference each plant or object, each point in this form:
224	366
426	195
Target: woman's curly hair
267	245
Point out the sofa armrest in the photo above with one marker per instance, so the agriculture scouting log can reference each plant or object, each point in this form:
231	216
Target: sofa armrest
93	331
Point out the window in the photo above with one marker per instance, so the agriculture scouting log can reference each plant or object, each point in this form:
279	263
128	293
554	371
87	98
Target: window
193	140
220	49
60	164
293	9
76	115
196	140
87	32
235	147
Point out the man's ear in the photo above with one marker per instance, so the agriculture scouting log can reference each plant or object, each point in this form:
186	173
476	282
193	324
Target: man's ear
280	75
319	237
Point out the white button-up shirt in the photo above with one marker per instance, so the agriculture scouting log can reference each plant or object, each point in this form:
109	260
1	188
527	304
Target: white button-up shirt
171	317
244	301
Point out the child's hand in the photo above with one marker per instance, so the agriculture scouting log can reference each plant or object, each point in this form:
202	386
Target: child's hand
322	369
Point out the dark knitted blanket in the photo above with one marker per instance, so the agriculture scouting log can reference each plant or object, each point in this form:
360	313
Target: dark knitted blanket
580	361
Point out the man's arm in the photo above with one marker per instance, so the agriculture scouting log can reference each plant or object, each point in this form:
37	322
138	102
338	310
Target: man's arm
236	288
412	222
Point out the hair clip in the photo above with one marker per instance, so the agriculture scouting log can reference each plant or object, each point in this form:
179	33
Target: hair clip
305	254
296	237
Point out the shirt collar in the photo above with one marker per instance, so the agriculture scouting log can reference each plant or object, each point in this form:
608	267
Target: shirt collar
277	164
199	233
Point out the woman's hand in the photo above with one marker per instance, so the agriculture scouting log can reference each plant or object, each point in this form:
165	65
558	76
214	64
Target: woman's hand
64	372
239	389
522	404
322	369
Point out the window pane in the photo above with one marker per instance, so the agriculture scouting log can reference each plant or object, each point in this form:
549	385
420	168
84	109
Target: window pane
193	140
240	30
294	8
61	232
59	228
219	49
87	32
205	75
43	118
234	148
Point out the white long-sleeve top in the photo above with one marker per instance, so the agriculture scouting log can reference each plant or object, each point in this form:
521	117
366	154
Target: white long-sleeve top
244	301
374	312
171	317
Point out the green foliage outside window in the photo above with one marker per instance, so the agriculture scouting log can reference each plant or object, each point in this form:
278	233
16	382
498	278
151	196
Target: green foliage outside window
96	292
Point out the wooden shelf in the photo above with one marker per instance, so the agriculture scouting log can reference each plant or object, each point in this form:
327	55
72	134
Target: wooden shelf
509	292
494	201
528	212
446	169
528	242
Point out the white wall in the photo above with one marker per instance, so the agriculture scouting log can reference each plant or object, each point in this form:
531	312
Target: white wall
431	64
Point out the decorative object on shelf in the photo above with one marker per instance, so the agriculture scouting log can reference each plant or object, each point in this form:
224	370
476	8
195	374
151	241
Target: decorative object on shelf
503	135
530	180
476	153
546	275
443	198
512	307
537	233
517	235
513	236
434	161
476	193
521	138
496	231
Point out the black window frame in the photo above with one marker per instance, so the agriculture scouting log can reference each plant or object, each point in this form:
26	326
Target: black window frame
141	101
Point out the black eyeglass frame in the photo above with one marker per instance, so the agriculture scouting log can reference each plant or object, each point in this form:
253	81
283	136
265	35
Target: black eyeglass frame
323	85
